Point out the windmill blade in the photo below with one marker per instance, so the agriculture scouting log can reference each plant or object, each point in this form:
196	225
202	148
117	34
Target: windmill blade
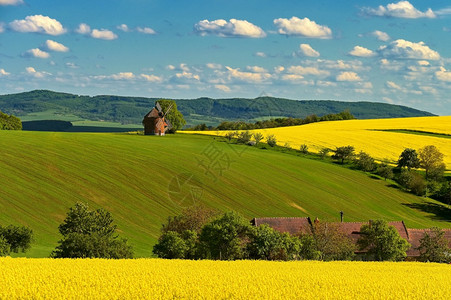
159	123
168	110
169	124
158	106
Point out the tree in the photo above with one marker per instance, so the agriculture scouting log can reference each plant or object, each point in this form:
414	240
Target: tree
331	243
430	158
308	248
385	171
170	245
408	159
244	137
323	152
271	140
192	218
9	122
229	135
15	239
343	153
258	137
174	115
382	242
304	149
90	234
434	247
365	162
226	237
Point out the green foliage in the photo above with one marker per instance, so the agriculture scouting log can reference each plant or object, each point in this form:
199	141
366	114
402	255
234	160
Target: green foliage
343	153
192	218
15	239
417	184
9	122
323	152
226	237
308	248
409	159
174	115
271	140
304	149
229	135
434	247
90	234
382	242
385	171
170	245
4	246
431	159
365	162
258	137
244	137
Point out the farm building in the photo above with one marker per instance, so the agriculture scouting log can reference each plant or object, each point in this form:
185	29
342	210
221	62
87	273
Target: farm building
299	225
155	121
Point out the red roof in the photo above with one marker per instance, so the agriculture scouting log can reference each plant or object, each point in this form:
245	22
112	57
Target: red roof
415	235
292	225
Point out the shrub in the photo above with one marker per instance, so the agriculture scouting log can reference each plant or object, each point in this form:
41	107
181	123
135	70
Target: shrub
244	137
271	140
385	171
365	162
258	137
304	149
323	152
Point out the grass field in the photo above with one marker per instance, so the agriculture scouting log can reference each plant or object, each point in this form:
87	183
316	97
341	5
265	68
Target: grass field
384	139
142	180
178	279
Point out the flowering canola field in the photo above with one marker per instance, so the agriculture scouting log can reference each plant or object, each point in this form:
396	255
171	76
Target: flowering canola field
23	278
367	135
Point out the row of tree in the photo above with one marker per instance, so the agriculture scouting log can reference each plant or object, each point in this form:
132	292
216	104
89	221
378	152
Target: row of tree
9	122
275	122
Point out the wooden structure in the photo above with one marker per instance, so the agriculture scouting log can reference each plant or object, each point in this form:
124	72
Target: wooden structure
155	122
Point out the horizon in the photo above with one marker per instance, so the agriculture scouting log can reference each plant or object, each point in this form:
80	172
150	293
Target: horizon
394	52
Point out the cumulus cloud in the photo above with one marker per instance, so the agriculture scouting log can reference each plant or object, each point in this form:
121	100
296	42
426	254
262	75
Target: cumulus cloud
3	72
307	50
233	28
292	77
83	28
300	70
55	46
222	87
103	34
123	27
402	9
214	66
393	85
260	54
122	76
423	63
302	27
32	71
443	75
359	51
145	30
36	52
151	78
39	24
71	65
187	75
348	76
247	76
256	69
10	2
402	49
380	35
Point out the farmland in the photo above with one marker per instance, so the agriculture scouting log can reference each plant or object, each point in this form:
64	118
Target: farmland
168	279
384	139
136	178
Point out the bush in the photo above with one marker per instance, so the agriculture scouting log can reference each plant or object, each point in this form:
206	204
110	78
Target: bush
244	137
15	239
385	171
343	153
170	245
434	247
365	162
271	140
323	152
258	137
304	149
9	122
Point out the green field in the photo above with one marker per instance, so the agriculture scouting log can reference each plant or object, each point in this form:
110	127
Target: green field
133	176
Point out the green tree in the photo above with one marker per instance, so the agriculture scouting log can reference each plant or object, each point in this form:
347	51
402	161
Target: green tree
343	153
304	149
382	242
434	247
323	152
192	218
271	140
19	238
244	137
226	237
4	247
308	248
229	135
9	122
170	245
331	243
258	137
365	162
409	159
174	115
385	171
90	234
430	158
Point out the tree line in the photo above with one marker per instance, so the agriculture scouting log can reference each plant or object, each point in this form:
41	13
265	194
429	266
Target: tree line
9	122
275	122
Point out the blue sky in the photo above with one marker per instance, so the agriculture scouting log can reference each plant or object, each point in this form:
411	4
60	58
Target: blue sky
385	51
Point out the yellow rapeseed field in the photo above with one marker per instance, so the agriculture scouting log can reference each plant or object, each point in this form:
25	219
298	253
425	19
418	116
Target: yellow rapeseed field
366	135
23	278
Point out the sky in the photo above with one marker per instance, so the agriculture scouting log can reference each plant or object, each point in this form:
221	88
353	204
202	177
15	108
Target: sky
396	52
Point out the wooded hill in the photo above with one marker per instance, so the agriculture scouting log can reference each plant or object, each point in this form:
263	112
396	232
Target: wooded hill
130	110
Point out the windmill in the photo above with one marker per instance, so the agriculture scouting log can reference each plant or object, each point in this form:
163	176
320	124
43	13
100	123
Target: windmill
155	122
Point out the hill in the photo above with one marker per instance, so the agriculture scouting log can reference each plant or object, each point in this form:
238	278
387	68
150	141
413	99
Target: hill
142	180
49	105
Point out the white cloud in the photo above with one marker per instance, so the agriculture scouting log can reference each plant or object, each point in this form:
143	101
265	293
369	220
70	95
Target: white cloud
32	71
260	54
279	69
443	75
187	75
151	78
233	28
36	52
55	46
361	52
354	65
423	63
214	66
123	27
348	76
256	69
3	72
2	27
83	28
170	67
39	24
247	76
103	34
72	65
402	9
388	100
307	50
122	76
222	87
300	70
402	49
10	2
302	27
393	85
380	35
292	77
145	30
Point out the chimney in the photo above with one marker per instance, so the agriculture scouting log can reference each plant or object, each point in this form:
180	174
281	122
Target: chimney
341	216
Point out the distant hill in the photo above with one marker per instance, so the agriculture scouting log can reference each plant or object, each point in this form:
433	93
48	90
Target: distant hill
130	110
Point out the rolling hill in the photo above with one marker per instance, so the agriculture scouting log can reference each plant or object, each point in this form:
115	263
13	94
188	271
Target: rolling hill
142	180
49	105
